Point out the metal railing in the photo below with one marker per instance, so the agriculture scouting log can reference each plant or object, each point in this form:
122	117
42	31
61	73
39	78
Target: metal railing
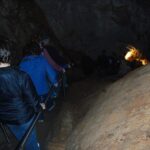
25	137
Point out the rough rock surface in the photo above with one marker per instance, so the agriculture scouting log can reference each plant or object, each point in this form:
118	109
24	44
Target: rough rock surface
86	25
75	105
93	25
119	119
20	20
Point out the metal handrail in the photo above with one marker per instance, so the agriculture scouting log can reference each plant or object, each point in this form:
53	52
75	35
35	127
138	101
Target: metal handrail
28	132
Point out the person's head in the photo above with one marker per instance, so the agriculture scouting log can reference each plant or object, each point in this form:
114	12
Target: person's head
31	49
44	40
5	52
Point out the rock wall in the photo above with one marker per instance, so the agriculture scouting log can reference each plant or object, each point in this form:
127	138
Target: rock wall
20	20
91	26
119	119
88	26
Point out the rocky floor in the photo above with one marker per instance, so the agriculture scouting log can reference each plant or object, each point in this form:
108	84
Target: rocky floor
80	97
69	110
120	117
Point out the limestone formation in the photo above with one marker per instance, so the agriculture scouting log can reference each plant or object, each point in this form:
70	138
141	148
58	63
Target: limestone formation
94	25
20	20
120	118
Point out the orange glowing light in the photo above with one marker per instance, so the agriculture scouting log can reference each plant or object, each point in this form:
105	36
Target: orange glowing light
144	61
134	55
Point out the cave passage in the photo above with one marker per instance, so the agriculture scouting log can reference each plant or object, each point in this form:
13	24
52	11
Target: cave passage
94	55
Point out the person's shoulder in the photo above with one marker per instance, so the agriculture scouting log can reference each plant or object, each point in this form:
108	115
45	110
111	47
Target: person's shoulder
19	72
43	59
23	76
36	58
16	73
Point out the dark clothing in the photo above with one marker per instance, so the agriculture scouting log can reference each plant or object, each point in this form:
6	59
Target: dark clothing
57	55
17	96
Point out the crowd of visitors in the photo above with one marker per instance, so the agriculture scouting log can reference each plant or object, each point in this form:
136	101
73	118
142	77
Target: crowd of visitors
24	88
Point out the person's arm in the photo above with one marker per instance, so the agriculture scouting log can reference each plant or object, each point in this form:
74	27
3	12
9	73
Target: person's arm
29	92
51	74
52	62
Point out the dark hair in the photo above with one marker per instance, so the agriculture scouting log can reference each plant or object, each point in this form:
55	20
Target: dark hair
31	49
5	53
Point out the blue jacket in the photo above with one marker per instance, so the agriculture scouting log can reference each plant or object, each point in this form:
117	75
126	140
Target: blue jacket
40	71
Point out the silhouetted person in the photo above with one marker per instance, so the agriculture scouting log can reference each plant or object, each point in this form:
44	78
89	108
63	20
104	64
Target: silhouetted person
18	98
58	56
44	43
55	58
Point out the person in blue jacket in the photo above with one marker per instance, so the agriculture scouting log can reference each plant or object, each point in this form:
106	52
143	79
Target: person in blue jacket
40	71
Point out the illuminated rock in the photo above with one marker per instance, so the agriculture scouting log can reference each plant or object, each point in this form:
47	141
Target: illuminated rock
120	119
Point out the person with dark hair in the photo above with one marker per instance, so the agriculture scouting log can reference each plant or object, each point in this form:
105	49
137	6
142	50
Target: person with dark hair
41	72
58	56
56	60
44	43
18	99
31	49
